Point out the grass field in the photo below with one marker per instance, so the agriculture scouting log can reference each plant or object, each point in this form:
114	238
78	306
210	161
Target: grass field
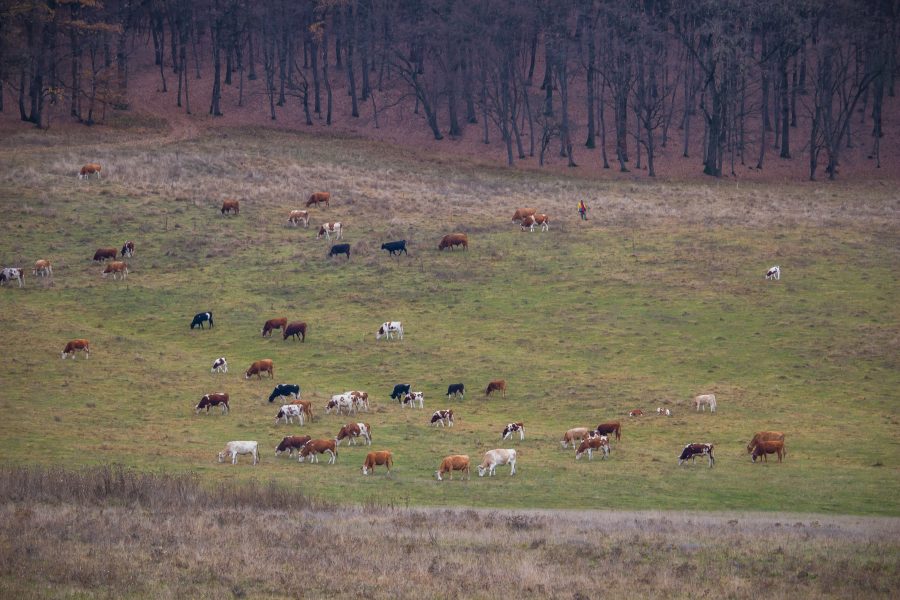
658	297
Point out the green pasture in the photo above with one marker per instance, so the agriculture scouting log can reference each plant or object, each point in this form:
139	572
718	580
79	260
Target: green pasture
584	322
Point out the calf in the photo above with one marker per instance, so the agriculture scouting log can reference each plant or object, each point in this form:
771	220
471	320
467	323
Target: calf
296	329
412	398
315	447
704	400
494	458
291	443
339	249
764	436
259	367
216	399
273	324
613	427
691	451
90	169
42	268
456	390
288	412
232	449
455	462
774	273
102	254
398	247
201	318
453	240
764	447
400	390
597	442
231	206
570	436
299	216
285	390
127	249
116	267
220	365
75	345
444	418
511	428
381	457
354	431
495	386
10	273
317	198
636	413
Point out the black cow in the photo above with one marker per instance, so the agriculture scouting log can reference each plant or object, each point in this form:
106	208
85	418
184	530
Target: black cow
199	319
456	389
691	451
339	249
398	247
400	390
285	389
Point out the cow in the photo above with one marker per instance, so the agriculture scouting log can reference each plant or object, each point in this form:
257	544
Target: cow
201	318
259	367
411	398
42	268
285	390
494	458
764	447
389	328
531	220
400	390
220	365
494	386
105	254
589	444
10	273
317	198
456	390
444	418
299	216
288	412
314	447
272	324
774	273
610	427
381	457
704	400
339	249
454	462
764	436
451	240
521	213
360	400
127	249
397	246
339	403
691	451
331	229
354	431
636	413
511	428
297	329
306	405
231	206
90	169
215	399
75	345
576	433
234	448
663	411
117	267
291	443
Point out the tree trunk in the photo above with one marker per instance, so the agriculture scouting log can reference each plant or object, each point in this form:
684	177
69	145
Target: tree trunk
328	94
601	103
351	76
785	108
591	69
317	90
216	39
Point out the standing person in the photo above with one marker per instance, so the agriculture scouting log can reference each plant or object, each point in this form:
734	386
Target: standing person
582	210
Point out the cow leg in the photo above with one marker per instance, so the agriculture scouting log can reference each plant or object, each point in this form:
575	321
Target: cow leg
512	470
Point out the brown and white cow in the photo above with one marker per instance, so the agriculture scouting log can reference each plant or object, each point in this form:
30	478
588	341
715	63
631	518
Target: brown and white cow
214	399
764	447
444	418
259	367
597	442
521	213
511	428
454	239
692	451
75	345
231	206
454	462
299	216
352	432
272	324
329	230
105	254
127	249
360	400
42	268
380	457
117	267
636	413
570	436
90	169
291	443
296	329
411	399
764	436
530	221
317	198
306	405
613	427
498	385
288	412
316	447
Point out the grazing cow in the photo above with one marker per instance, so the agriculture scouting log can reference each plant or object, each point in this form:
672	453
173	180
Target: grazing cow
296	329
454	462
521	213
231	206
398	247
259	367
105	254
90	169
444	418
494	386
216	399
317	198
360	400
597	442
511	428
220	365
288	412
299	216
452	240
42	268
610	427
389	328
314	447
127	249
354	431
764	436
412	398
339	403
273	324
663	411
636	413
530	221
494	458
285	390
117	267
75	345
232	449
456	390
10	273
331	229
339	249
576	433
400	390
765	447
291	443
691	451
704	400
306	405
774	273
201	318
381	457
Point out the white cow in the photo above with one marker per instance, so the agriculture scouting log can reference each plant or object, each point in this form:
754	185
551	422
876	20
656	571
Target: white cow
220	365
331	229
389	328
412	398
494	458
774	273
340	403
704	400
299	216
444	418
288	412
10	273
234	448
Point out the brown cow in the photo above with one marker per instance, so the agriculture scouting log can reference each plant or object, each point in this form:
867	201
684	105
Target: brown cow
381	457
214	399
597	442
576	433
105	254
74	345
454	462
354	431
636	413
494	386
299	216
319	198
259	367
314	447
610	427
764	447
90	169
116	267
42	268
273	324
764	436
296	329
454	239
232	206
307	406
521	213
291	443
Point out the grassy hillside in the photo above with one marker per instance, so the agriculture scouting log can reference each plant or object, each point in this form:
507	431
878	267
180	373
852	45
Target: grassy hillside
659	296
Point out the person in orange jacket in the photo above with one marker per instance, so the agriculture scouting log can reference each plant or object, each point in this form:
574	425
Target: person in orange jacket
582	210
